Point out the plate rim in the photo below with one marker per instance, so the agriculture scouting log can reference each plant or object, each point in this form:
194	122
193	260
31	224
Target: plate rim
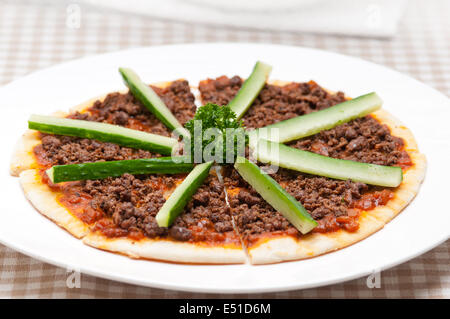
200	289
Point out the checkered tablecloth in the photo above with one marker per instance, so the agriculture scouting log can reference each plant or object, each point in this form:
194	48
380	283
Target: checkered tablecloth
38	34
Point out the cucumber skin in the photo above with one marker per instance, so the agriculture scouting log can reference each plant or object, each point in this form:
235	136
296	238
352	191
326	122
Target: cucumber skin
101	170
250	89
312	123
149	98
118	138
312	163
263	184
183	193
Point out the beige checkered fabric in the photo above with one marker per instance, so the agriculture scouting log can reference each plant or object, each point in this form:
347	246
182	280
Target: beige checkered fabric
34	35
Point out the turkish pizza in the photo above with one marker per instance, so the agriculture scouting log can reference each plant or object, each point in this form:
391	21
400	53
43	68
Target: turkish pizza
122	172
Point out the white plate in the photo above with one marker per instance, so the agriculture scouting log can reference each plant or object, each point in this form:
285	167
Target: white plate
420	227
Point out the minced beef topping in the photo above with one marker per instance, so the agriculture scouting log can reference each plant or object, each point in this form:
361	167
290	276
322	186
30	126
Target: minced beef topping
125	110
331	202
252	214
133	202
363	140
274	103
60	150
207	216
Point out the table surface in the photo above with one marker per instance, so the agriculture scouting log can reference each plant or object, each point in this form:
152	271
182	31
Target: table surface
34	35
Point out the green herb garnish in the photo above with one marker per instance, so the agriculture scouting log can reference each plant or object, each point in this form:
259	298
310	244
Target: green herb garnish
216	135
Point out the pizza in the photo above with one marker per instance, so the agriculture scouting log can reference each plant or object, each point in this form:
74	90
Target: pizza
224	220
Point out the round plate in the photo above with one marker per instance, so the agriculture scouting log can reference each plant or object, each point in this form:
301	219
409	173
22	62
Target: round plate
421	226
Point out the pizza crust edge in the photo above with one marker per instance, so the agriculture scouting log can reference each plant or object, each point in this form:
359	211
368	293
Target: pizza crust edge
46	202
167	250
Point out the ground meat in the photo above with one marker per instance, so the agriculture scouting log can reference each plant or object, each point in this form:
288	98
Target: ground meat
363	140
219	91
320	195
252	214
274	103
59	150
119	109
126	110
207	214
327	200
180	233
133	202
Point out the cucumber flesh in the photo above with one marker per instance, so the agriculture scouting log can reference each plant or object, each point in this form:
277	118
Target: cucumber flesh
275	195
182	194
250	89
312	163
149	98
100	170
312	123
103	132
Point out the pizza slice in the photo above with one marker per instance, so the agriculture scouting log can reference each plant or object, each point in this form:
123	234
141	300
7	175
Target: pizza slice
345	211
203	233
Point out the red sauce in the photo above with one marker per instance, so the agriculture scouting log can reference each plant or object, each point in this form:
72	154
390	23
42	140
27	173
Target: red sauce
75	200
136	125
79	205
205	232
255	239
350	222
107	227
404	161
373	199
40	155
330	222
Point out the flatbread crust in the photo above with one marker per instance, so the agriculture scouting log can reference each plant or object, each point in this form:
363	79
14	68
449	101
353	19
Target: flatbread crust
45	200
270	250
163	249
283	248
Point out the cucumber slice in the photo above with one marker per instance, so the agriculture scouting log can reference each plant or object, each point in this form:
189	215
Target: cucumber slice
103	132
275	195
149	98
326	119
182	194
311	163
100	170
250	89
